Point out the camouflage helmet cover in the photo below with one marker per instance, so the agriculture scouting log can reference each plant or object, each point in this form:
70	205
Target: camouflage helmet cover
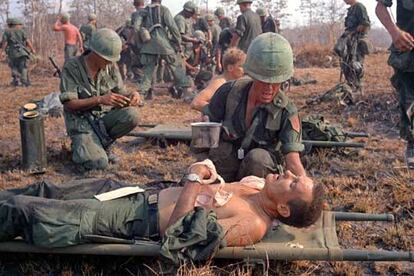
200	36
64	17
261	11
107	44
209	17
190	7
269	59
244	1
219	11
91	16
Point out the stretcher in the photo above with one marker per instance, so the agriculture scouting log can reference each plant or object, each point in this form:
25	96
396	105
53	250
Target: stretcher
318	242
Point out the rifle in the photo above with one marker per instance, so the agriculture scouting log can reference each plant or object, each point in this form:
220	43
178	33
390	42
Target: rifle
57	72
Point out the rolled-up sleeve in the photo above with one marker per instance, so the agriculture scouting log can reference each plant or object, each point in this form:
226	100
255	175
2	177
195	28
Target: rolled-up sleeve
291	134
387	3
68	87
180	22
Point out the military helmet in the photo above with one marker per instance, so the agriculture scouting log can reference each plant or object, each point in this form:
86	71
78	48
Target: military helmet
261	11
14	21
244	1
107	44
197	11
91	16
209	17
64	17
219	12
139	2
269	59
190	7
200	36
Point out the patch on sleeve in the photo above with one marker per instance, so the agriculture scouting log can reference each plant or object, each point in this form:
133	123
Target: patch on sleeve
295	123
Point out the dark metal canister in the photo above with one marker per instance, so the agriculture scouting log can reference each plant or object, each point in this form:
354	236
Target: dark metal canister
33	142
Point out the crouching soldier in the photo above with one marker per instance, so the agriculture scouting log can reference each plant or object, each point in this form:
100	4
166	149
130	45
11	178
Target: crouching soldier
260	123
98	109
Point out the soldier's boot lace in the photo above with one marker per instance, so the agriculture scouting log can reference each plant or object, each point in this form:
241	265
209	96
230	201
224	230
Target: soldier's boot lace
409	154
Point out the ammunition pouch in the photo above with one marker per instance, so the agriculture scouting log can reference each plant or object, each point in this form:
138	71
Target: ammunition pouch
401	61
315	128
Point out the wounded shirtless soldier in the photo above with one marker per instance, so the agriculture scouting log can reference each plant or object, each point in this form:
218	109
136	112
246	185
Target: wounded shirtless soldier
234	214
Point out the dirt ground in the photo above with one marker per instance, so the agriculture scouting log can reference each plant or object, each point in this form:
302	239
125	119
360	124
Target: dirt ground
369	180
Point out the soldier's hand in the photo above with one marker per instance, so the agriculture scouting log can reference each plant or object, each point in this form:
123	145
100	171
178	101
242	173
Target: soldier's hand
135	99
113	99
403	41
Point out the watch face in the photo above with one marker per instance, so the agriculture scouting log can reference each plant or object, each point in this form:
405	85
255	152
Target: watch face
193	178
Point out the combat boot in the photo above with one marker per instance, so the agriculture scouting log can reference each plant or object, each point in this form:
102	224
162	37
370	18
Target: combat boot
148	95
409	154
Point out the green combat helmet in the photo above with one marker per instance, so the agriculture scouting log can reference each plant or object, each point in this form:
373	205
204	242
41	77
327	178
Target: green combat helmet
209	17
64	17
107	44
91	16
269	59
190	7
244	1
261	12
219	12
200	36
15	21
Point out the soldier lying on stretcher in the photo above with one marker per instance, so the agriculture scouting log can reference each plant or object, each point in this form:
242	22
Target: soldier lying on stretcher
235	214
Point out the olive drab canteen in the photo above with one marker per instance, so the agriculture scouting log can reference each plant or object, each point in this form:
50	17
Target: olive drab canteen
107	44
269	59
64	17
190	7
244	1
200	36
91	16
261	12
219	12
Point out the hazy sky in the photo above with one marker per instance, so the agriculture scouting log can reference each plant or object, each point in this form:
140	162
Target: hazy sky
176	5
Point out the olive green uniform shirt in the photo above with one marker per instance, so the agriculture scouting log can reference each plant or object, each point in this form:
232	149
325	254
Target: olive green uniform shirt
15	40
357	15
160	43
248	27
76	84
405	14
274	121
185	27
87	31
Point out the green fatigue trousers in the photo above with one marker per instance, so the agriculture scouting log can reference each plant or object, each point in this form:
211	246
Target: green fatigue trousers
404	84
19	70
87	149
258	162
56	216
174	62
70	51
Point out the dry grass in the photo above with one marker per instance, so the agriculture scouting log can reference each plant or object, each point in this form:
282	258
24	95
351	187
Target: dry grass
366	180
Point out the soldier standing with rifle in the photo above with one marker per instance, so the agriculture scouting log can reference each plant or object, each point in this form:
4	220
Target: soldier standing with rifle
248	26
224	21
14	43
97	108
162	40
352	46
268	23
87	30
402	60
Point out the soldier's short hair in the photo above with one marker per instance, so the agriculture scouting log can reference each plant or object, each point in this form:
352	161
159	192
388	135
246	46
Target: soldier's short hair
232	56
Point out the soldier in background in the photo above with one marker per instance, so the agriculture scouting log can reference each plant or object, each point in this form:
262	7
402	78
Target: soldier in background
269	25
200	24
402	60
163	40
88	29
224	21
97	107
135	41
248	26
222	46
215	35
124	64
18	48
353	45
184	22
71	34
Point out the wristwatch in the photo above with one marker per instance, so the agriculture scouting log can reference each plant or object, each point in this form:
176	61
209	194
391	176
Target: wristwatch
192	177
